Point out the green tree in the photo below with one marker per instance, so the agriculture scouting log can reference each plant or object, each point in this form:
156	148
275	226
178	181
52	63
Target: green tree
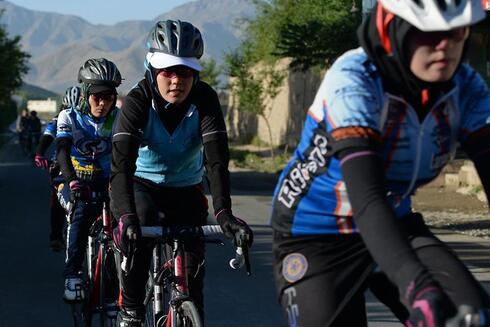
13	64
311	32
210	73
254	85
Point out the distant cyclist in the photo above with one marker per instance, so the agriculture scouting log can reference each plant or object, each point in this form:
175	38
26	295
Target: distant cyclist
170	126
84	140
57	213
386	119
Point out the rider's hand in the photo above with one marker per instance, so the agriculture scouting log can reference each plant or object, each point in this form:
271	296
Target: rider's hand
235	228
79	191
128	229
41	162
430	307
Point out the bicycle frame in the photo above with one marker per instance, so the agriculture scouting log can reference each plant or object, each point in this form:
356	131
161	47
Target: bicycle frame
176	282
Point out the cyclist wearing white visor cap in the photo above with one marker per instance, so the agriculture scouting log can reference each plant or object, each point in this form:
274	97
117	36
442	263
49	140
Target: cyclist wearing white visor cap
169	122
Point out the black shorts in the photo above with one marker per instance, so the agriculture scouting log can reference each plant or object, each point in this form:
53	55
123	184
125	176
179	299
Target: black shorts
321	280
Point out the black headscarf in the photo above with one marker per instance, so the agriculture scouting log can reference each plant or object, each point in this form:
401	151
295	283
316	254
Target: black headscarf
394	67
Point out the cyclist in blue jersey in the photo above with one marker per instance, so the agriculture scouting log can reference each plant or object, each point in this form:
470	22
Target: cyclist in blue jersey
170	127
84	138
57	213
386	119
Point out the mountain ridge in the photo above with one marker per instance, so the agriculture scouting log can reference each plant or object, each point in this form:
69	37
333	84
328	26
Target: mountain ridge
59	43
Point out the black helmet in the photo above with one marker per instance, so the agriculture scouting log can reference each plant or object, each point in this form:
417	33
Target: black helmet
97	75
175	38
99	72
72	97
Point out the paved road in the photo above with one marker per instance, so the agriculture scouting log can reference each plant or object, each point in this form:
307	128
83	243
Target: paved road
30	275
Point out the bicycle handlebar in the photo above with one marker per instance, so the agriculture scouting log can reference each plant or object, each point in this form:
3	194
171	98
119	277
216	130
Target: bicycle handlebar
468	316
241	254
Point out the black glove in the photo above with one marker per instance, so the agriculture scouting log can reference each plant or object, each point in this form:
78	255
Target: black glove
128	229
79	191
235	228
429	307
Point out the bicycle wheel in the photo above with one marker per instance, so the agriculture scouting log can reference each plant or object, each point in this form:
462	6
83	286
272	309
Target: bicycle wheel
108	287
188	316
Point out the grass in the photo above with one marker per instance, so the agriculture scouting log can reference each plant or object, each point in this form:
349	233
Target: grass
257	159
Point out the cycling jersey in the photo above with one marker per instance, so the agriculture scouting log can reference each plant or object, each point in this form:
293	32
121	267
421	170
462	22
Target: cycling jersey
311	197
51	127
169	155
91	142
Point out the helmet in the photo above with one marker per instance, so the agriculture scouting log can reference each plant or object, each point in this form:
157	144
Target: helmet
172	43
72	97
176	38
436	15
99	72
97	75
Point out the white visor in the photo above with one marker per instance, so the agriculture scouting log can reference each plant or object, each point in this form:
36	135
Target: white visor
161	60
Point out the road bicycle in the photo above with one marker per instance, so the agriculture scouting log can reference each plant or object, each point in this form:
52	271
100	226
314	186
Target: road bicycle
101	281
167	300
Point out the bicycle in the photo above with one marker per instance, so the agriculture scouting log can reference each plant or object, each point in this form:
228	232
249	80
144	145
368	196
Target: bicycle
170	276
102	269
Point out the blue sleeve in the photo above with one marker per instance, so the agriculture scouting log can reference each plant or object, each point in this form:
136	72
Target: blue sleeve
474	102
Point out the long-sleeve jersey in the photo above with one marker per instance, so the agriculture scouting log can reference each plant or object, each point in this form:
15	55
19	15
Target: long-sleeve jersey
169	145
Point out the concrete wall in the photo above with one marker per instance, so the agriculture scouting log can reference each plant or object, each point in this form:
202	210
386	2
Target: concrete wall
285	113
42	106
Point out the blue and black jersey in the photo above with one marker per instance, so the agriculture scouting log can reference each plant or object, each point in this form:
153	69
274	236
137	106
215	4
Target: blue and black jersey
311	197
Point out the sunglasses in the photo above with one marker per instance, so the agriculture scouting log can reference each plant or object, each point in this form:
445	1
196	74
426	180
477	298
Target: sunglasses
176	71
97	97
434	38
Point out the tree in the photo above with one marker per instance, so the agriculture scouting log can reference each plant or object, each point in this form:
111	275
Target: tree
254	86
13	64
311	32
210	73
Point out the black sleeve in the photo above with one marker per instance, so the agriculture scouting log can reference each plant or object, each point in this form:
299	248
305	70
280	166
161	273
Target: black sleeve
44	143
217	159
477	147
126	140
215	140
362	169
212	122
63	150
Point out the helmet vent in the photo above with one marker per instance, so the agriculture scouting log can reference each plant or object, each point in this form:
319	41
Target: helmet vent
419	3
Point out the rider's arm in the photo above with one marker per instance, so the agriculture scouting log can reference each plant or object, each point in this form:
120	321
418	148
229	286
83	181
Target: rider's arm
362	169
44	144
63	150
125	144
215	140
478	149
64	143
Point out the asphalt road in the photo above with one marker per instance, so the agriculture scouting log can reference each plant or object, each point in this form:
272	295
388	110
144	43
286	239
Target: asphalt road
31	283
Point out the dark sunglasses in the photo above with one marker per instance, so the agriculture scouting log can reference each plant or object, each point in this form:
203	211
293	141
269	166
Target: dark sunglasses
97	97
176	71
434	38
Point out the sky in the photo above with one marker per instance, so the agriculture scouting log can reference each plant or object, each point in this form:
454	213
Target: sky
106	12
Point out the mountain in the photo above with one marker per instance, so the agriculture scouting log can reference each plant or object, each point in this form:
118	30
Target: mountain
59	44
32	92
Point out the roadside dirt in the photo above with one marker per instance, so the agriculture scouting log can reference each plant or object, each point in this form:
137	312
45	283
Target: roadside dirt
443	207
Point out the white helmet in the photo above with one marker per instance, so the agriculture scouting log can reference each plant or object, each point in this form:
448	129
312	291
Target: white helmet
437	15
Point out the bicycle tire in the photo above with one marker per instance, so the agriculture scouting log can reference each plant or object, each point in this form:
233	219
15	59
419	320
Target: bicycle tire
108	288
188	316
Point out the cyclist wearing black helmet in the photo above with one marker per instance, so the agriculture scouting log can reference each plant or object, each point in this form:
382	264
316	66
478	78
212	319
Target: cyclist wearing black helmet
169	122
57	216
84	135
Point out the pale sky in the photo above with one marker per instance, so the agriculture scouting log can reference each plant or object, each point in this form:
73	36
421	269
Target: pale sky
106	12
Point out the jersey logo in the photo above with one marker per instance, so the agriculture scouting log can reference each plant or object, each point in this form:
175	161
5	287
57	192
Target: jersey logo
294	267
